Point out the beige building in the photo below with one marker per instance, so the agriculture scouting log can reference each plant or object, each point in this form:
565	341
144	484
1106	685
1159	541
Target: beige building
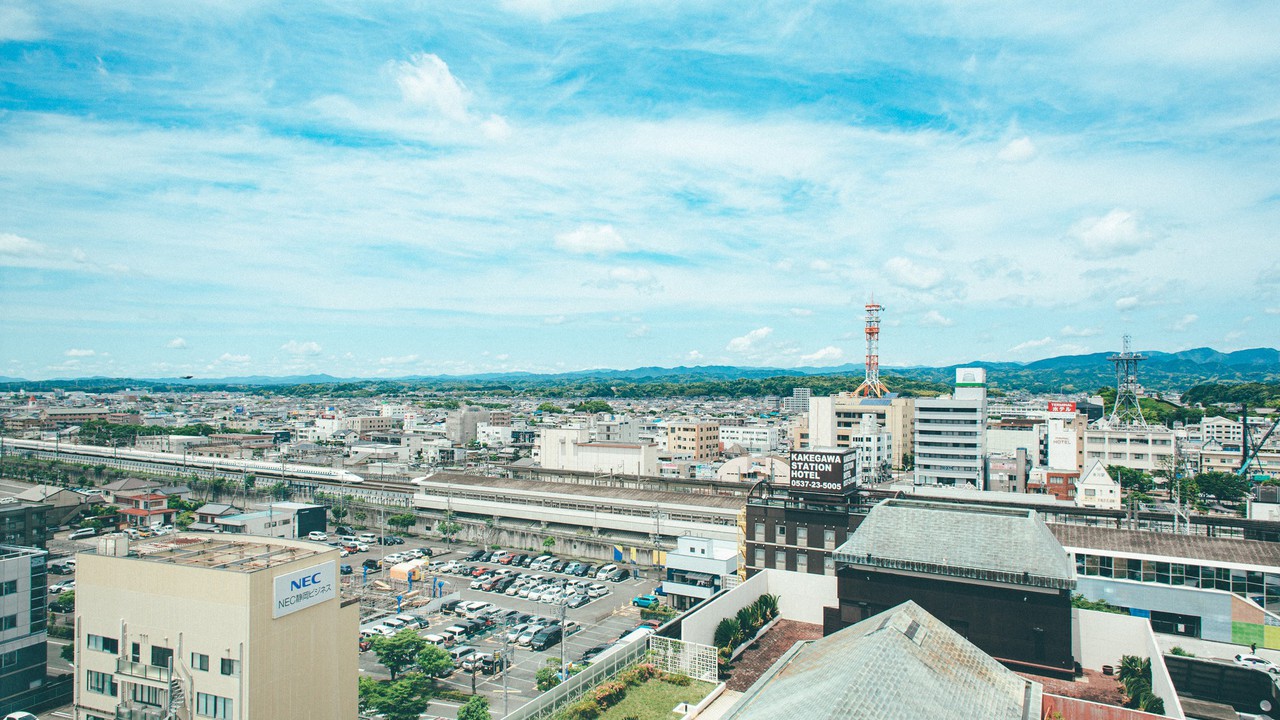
696	441
1142	448
836	420
206	626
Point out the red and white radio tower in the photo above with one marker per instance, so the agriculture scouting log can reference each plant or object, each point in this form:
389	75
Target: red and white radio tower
872	387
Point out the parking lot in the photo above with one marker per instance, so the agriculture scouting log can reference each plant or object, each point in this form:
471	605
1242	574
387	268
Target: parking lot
600	621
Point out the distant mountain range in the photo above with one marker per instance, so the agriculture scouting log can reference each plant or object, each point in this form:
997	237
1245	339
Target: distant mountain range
1068	373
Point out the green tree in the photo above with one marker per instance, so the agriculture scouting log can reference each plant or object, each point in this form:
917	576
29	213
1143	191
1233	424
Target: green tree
184	519
433	660
370	693
476	708
398	651
1225	487
68	652
593	406
338	512
402	520
549	542
547	407
1131	479
547	677
404	699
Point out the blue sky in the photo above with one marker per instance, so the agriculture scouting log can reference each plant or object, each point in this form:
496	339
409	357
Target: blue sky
374	189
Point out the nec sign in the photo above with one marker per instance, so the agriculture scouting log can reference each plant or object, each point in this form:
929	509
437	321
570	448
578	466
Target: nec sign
301	589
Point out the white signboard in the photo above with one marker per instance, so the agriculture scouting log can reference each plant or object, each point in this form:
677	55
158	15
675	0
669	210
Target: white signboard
303	588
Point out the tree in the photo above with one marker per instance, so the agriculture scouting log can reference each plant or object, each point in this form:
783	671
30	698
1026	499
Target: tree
370	693
434	660
402	520
185	519
476	708
547	407
593	406
405	699
1225	487
68	652
549	543
338	512
547	677
1131	479
398	651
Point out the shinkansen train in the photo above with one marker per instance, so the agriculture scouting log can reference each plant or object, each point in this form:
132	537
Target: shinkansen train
233	465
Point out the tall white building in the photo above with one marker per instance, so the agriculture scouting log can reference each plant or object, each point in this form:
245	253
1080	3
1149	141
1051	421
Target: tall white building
950	434
752	438
569	449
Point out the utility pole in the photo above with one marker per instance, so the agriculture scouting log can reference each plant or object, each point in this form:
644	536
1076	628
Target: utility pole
564	639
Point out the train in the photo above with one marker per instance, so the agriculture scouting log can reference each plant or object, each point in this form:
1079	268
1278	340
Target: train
257	468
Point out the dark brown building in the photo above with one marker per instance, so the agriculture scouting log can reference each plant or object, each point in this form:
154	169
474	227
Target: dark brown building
996	576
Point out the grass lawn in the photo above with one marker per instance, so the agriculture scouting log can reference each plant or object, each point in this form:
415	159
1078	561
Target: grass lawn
654	700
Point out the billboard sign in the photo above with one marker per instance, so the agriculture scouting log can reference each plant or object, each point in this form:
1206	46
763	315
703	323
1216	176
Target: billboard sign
301	589
1062	407
824	472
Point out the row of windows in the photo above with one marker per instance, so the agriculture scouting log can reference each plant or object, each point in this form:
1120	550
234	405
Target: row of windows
802	561
802	535
162	656
101	683
213	706
1261	586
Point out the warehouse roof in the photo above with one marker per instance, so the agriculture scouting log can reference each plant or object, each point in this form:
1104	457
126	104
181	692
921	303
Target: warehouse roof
1171	545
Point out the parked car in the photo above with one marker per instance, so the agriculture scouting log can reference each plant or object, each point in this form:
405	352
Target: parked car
460	652
645	601
371	564
345	569
604	570
577	601
58	588
526	637
597	590
317	536
368	537
344	530
619	575
594	651
548	637
83	533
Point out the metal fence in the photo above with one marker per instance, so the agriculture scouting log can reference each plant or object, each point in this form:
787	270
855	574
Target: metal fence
558	697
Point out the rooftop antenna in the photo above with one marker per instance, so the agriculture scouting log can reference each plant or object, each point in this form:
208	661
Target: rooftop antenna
871	386
1127	412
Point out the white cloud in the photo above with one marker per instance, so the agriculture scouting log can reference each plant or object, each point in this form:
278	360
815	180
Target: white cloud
554	320
591	240
78	352
17	24
1031	345
693	356
1125	304
16	246
496	128
234	359
642	331
639	278
1113	234
821	266
1072	331
398	360
425	80
1018	150
800	312
177	344
907	273
293	347
1185	322
829	353
1272	311
933	318
748	341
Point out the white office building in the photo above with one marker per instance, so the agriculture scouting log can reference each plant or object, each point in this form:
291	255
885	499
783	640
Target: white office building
697	569
950	434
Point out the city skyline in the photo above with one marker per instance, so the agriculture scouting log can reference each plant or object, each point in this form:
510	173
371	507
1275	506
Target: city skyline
278	189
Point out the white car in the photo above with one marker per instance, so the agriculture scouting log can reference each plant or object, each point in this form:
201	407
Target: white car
597	590
62	587
1253	661
317	536
527	636
514	634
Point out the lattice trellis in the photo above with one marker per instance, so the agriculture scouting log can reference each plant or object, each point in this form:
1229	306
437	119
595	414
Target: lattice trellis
686	658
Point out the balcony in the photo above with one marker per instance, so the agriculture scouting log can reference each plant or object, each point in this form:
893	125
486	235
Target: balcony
139	711
142	670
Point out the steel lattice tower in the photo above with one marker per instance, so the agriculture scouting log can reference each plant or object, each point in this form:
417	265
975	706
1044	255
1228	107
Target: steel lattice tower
1127	411
871	386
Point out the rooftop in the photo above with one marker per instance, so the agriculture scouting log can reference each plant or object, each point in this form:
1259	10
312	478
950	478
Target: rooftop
543	487
219	552
902	663
1170	545
1010	545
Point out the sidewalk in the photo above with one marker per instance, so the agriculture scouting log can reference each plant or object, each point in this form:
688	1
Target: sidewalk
1211	649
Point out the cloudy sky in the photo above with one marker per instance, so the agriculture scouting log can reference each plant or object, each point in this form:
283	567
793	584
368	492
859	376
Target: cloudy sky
368	189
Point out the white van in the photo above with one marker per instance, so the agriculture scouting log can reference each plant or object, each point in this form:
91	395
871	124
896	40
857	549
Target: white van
605	570
411	621
394	623
368	538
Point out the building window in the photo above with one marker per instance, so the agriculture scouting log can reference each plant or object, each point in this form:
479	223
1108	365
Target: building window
759	535
802	536
199	661
829	539
802	562
9	659
828	565
780	532
8	622
780	559
213	706
101	683
147	695
161	656
230	667
759	562
104	644
8	587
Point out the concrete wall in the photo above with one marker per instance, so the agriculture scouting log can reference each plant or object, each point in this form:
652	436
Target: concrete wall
801	597
1212	606
1106	637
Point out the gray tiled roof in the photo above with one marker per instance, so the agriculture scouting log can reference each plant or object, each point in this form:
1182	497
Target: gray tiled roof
902	664
997	544
1172	545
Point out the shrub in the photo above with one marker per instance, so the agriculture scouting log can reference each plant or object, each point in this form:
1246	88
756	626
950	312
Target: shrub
584	709
638	674
1177	650
678	680
610	693
728	633
769	606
